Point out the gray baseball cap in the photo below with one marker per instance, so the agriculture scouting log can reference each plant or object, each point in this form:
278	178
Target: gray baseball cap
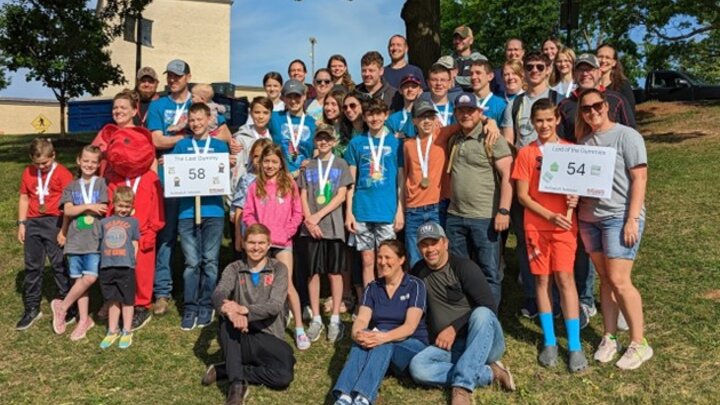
588	58
430	230
293	86
446	61
178	67
147	71
420	107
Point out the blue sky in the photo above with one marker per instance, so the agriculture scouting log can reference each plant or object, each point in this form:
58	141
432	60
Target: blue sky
268	34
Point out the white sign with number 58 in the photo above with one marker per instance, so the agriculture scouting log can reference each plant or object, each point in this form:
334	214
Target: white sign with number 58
586	171
196	175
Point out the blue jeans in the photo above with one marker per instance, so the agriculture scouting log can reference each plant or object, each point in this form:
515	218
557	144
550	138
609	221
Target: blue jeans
201	247
517	215
478	236
414	218
166	240
584	275
365	369
466	364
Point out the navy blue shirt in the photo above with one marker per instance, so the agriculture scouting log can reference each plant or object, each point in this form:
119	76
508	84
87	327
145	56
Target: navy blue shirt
389	313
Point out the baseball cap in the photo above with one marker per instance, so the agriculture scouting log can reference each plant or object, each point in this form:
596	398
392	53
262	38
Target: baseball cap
430	230
466	100
325	131
293	86
420	107
147	71
588	58
446	61
409	78
463	30
178	67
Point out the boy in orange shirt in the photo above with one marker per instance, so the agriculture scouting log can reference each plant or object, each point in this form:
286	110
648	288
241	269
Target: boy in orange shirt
551	238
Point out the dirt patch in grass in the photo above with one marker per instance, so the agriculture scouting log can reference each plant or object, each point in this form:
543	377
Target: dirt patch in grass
676	123
713	295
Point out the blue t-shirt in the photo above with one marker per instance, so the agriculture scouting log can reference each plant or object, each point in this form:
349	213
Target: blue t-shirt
375	196
161	115
210	206
494	108
389	313
395	76
401	121
280	133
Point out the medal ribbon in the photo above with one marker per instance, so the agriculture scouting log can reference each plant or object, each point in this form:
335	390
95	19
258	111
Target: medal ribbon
424	160
569	89
205	149
180	110
445	114
44	189
87	194
134	185
377	154
295	138
484	103
324	175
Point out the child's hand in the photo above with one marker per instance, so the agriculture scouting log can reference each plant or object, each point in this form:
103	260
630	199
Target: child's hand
492	132
572	200
233	160
61	239
561	221
21	233
235	147
97	209
399	222
350	223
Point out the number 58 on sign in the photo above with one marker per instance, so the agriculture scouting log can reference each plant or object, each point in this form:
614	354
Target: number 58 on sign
586	171
196	175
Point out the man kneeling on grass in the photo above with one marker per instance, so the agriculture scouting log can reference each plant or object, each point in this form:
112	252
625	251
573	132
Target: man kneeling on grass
250	298
468	338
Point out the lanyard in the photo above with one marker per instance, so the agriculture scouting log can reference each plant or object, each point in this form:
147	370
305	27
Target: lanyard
87	194
376	154
144	116
444	117
424	160
134	184
295	137
484	103
324	175
257	135
205	149
44	189
180	110
404	119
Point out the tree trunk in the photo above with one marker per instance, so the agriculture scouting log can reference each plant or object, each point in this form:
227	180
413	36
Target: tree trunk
422	28
63	104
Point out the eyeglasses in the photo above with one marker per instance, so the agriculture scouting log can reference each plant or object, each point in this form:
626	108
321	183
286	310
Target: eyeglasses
585	109
322	81
350	106
540	67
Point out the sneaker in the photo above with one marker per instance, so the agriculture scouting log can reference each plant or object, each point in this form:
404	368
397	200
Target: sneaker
360	400
125	339
302	342
548	356
577	361
161	306
314	331
591	309
461	396
109	339
584	317
502	376
102	313
214	373
141	317
205	317
622	322
343	400
81	329
307	314
608	348
58	316
237	393
189	320
335	332
635	355
28	318
529	309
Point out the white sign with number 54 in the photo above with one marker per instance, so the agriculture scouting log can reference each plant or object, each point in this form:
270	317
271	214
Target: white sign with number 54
196	175
586	171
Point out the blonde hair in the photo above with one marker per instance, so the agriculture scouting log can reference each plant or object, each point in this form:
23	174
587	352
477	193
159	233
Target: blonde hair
517	68
129	95
41	147
203	90
556	75
123	194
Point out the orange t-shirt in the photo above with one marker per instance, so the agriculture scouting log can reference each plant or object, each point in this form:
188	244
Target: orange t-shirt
439	188
29	185
527	168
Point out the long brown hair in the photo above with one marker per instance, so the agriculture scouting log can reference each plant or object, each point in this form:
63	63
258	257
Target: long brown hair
582	129
617	74
283	179
346	79
259	144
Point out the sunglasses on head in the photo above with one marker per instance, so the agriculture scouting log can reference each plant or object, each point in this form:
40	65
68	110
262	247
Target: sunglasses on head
322	81
589	107
540	67
350	106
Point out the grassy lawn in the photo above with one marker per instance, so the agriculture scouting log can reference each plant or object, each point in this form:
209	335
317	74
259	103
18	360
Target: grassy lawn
676	272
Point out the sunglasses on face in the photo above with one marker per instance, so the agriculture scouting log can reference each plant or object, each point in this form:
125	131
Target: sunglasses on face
350	106
585	109
322	81
540	67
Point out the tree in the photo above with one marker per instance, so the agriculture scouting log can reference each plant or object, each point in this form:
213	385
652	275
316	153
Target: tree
422	23
63	44
4	80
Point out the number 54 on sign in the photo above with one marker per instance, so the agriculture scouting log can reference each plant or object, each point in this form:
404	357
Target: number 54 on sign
581	170
196	175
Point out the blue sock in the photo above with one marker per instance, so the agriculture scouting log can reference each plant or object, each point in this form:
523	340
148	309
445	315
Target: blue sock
573	330
546	322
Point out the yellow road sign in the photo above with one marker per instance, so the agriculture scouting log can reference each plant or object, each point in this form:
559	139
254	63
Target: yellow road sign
41	123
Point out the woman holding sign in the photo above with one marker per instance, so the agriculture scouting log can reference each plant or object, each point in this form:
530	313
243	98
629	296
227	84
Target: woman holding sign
611	228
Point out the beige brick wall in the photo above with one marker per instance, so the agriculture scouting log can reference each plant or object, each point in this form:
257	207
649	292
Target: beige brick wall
196	31
17	115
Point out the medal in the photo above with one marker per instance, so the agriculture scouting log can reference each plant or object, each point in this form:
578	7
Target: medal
424	160
425	182
320	199
295	136
89	219
85	221
294	155
377	175
324	189
42	208
43	189
376	156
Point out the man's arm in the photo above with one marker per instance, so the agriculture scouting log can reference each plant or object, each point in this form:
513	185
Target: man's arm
225	287
503	166
165	142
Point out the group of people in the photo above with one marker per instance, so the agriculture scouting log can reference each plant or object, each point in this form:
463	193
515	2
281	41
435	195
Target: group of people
401	187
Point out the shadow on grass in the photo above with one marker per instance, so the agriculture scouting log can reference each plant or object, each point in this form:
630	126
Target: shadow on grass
674	137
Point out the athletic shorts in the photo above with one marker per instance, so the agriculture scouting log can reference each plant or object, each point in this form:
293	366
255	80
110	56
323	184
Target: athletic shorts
368	235
118	284
550	251
321	256
606	236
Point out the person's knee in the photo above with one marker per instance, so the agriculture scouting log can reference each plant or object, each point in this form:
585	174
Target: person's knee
480	317
283	378
619	281
564	280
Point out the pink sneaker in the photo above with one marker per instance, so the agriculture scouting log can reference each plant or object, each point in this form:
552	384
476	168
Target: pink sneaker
58	316
81	330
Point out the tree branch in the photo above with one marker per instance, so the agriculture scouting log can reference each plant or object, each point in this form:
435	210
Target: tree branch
688	35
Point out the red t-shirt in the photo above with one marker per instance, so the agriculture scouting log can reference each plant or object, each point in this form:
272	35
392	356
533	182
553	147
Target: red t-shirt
29	185
439	187
527	168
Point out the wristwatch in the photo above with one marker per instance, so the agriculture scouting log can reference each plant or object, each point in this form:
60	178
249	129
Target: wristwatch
21	222
503	211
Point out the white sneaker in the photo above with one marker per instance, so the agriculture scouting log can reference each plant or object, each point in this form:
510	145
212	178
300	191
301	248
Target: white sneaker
607	349
635	355
302	342
621	322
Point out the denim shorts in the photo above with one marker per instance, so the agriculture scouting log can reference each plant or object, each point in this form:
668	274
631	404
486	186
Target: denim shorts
83	265
368	235
606	236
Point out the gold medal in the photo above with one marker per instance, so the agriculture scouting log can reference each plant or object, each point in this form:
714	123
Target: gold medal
425	182
42	208
377	175
89	219
320	199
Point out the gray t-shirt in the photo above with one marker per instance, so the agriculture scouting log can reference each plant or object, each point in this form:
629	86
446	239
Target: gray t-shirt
526	130
446	299
631	152
83	235
118	234
332	225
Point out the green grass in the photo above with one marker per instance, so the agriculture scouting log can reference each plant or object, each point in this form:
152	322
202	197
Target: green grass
676	269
